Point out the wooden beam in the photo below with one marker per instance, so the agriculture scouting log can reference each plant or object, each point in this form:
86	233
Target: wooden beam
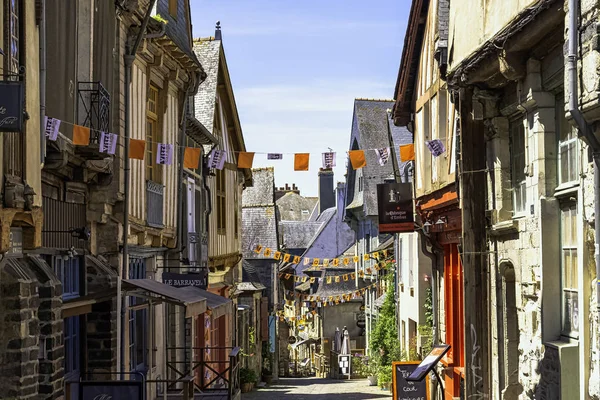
474	248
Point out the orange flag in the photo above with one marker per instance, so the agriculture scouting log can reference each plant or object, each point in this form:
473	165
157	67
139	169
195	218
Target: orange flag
137	148
191	157
301	161
407	152
357	158
245	160
81	135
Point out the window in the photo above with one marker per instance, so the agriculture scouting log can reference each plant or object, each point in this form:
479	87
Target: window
13	55
138	322
569	279
72	348
221	208
151	134
173	8
67	270
360	183
517	163
568	147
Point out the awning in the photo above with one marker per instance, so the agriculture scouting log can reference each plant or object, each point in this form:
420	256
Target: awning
192	298
304	342
218	305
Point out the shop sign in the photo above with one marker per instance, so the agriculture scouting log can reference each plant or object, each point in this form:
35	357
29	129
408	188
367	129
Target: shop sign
395	206
183	280
11	106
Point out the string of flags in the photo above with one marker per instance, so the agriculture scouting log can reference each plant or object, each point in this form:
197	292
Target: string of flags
334	278
217	158
320	262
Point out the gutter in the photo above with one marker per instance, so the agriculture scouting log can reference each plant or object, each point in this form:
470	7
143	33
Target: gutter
585	131
42	81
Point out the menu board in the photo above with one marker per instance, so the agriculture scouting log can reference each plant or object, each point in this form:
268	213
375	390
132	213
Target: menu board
406	390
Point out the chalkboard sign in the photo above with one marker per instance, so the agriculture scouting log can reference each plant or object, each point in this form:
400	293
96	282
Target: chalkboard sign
405	390
111	390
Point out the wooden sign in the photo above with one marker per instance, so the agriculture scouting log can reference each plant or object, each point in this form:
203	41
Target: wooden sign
405	390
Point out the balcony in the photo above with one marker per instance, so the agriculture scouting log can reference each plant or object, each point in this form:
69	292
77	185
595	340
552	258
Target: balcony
93	111
154	204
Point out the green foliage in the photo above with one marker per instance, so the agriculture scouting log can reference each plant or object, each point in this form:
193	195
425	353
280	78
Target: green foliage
428	306
359	368
384	376
160	19
384	338
248	375
252	335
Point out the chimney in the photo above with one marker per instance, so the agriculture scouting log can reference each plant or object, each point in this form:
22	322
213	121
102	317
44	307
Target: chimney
326	193
218	31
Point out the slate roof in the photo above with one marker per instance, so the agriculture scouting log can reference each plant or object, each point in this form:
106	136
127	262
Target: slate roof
369	131
298	234
250	286
259	215
292	204
178	28
208	52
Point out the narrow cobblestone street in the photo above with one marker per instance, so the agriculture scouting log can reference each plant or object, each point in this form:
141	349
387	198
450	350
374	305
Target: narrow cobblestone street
317	389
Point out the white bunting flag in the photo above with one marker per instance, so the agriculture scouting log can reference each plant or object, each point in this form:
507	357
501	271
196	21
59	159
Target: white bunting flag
274	156
108	143
383	155
52	125
164	154
328	160
217	159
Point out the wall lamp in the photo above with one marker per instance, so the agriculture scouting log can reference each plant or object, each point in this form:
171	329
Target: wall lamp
442	221
79	233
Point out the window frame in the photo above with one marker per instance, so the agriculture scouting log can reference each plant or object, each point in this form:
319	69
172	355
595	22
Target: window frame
138	319
69	274
72	339
220	191
173	6
572	139
572	248
152	104
519	189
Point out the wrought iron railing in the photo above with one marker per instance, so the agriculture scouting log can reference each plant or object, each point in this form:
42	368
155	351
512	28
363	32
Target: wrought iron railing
155	200
94	108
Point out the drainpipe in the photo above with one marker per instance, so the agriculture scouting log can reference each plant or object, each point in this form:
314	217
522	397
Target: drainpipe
42	80
584	129
129	58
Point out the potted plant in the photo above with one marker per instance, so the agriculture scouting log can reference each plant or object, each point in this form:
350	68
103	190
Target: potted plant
267	359
384	377
267	376
247	379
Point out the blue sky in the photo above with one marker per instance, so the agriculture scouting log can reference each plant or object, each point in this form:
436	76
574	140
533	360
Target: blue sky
296	68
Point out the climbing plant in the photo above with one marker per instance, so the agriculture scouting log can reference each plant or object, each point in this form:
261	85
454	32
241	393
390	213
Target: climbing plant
384	338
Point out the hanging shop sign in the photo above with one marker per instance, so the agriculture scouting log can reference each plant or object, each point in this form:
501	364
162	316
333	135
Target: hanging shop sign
182	280
15	243
395	206
11	106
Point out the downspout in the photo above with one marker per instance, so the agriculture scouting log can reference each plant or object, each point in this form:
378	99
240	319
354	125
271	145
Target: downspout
584	129
42	80
129	58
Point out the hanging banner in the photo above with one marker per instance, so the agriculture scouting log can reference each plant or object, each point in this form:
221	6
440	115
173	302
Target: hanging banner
191	157
52	125
436	147
328	160
301	161
395	206
274	156
108	143
357	159
217	159
164	154
383	155
407	152
12	104
81	135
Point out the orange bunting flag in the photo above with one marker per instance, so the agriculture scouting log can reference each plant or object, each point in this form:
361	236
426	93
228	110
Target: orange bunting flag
352	275
277	255
301	161
191	157
287	276
304	278
258	249
81	135
355	258
297	279
376	255
357	159
267	252
137	148
369	271
296	260
336	262
346	261
245	159
385	253
345	277
326	262
361	273
366	257
286	258
328	279
407	152
337	279
312	280
315	262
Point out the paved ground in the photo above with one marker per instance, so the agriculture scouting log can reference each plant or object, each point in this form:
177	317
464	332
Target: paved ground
318	389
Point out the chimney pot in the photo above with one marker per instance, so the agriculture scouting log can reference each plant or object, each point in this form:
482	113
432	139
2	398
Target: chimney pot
218	31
